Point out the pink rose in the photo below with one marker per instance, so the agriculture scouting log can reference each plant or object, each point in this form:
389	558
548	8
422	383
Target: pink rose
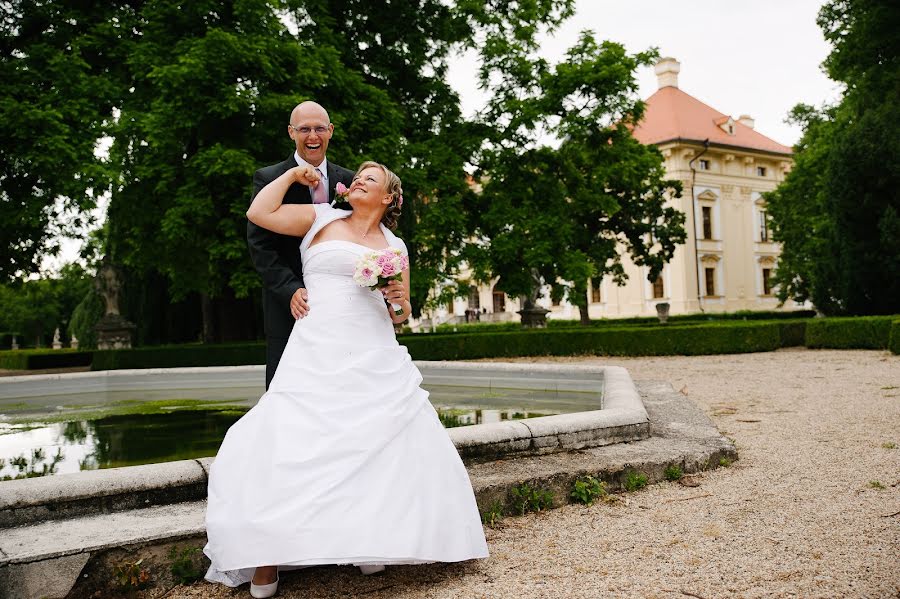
367	273
388	269
340	189
404	262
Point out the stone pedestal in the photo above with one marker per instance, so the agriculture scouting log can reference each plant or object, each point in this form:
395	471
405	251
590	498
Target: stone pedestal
114	332
15	343
662	312
534	318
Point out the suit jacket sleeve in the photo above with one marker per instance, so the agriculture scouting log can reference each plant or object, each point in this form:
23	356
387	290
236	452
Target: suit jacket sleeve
277	276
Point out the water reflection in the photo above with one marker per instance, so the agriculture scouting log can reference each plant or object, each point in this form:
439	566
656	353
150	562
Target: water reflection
453	417
41	449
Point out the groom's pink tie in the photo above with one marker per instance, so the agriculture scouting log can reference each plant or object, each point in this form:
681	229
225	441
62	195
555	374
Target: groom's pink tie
320	191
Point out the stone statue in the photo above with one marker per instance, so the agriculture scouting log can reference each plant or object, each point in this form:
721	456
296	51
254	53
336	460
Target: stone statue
113	331
74	342
57	344
107	283
532	315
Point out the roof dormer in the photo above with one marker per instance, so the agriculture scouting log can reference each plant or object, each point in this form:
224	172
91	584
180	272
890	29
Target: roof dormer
726	124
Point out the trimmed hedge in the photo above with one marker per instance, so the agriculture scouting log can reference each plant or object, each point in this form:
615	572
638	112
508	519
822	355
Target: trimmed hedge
698	317
727	336
894	344
793	332
174	356
38	359
858	332
716	338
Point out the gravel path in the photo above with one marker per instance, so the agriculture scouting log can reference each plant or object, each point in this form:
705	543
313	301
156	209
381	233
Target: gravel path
811	509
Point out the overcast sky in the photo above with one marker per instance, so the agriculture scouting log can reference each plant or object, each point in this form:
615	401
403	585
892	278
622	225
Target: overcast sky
759	58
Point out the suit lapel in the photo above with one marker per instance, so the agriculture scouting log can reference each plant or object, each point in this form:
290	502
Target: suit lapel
297	193
332	181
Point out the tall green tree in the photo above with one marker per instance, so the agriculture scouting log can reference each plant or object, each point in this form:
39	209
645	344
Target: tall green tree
196	97
560	216
56	63
837	214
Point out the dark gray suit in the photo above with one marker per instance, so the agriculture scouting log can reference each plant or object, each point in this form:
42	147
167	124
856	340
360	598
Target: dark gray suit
277	258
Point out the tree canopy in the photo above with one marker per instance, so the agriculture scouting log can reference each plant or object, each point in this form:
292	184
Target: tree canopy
195	97
837	214
560	216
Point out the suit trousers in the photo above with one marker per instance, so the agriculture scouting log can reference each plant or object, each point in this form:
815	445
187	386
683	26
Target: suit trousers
274	348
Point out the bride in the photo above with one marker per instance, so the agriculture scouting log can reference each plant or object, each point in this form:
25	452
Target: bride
343	460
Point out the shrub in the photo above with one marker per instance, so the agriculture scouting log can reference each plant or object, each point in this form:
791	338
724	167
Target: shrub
588	489
528	499
635	481
711	338
861	332
38	359
492	516
186	564
894	343
792	332
674	472
174	356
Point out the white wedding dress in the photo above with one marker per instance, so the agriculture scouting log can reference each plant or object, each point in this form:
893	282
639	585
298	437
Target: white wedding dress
343	460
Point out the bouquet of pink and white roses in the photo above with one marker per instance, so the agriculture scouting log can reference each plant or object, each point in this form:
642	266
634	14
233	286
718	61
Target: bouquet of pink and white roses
376	268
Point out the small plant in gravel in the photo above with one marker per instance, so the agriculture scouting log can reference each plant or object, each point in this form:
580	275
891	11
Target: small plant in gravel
876	484
724	462
492	516
186	565
674	472
635	481
889	445
525	498
130	576
588	489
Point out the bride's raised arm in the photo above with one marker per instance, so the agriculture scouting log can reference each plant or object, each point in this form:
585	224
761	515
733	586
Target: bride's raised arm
268	212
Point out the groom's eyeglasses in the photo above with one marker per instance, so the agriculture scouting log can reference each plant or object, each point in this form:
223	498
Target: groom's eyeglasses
307	130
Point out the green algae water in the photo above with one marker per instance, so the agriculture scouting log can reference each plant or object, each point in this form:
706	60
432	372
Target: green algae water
91	431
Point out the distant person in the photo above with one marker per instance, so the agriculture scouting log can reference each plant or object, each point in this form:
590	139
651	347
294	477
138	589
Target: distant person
275	256
343	460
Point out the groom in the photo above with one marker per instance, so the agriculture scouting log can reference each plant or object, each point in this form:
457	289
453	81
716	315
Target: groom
277	257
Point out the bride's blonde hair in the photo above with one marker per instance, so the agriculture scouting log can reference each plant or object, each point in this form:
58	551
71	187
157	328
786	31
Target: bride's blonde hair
393	187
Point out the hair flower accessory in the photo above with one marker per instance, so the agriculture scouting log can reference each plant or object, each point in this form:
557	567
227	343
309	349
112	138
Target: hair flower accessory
400	201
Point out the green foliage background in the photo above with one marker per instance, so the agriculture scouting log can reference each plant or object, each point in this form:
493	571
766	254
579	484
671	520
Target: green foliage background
838	212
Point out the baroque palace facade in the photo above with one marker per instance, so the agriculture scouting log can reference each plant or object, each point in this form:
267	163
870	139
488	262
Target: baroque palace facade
726	263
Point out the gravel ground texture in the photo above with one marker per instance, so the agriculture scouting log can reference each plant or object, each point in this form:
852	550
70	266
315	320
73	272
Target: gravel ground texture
811	508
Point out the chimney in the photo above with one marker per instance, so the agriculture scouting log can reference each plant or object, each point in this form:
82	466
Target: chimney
746	119
667	70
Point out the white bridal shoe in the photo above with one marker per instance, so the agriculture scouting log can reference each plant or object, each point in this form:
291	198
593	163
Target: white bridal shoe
261	591
367	570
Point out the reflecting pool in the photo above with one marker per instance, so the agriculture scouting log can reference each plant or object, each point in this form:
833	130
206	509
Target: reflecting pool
43	436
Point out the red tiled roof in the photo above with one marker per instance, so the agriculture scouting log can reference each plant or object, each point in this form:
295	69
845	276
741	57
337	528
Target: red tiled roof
672	114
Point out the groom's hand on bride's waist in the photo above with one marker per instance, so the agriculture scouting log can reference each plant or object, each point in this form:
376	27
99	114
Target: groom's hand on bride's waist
299	307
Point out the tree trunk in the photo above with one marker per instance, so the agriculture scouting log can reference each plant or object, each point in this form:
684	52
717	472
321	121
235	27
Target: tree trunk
209	325
583	312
